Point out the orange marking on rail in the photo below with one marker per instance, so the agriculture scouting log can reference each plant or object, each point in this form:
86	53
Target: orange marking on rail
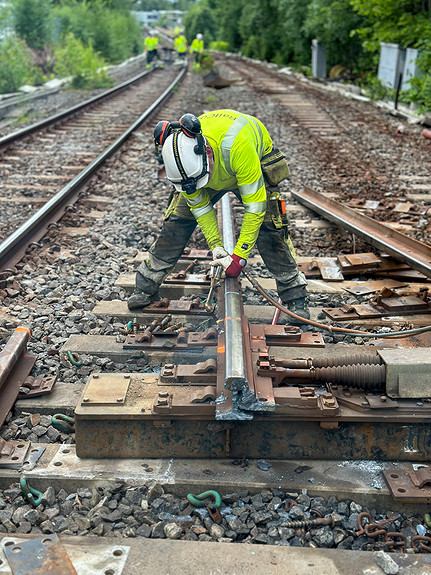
221	349
24	329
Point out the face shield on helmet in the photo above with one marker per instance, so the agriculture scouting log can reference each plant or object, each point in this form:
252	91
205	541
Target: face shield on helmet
185	161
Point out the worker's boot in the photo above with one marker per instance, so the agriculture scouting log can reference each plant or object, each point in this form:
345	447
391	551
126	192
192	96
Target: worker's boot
140	299
298	306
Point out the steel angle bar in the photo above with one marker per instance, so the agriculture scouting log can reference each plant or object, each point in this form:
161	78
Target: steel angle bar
13	248
414	253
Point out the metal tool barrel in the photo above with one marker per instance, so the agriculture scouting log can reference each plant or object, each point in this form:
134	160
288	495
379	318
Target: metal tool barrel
235	376
12	351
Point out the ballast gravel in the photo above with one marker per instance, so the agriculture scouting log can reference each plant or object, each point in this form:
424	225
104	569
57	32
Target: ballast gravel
263	518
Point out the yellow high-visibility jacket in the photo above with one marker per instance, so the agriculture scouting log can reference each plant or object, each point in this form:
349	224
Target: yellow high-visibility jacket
180	44
197	46
151	43
238	142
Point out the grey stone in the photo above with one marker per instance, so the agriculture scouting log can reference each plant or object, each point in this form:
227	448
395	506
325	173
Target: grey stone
386	563
343	508
48	497
24	527
346	543
355	507
144	531
158	531
217	531
323	537
47	526
172	531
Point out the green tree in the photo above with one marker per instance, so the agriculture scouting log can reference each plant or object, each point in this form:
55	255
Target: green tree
228	14
15	64
332	22
405	22
32	22
200	19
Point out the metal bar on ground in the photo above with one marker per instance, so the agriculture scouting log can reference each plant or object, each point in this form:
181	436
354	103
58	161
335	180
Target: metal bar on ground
414	253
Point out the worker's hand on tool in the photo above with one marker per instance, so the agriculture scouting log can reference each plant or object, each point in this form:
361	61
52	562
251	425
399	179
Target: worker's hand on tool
231	264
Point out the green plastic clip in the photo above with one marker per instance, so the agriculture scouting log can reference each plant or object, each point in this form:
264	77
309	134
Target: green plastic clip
63	422
427	518
74	359
32	495
197	500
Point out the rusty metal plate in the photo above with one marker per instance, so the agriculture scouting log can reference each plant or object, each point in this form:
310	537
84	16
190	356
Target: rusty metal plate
13	453
175	307
184	341
189	279
33	387
330	270
403	207
43	556
402	488
203	373
283	336
405	304
358	261
193	254
106	389
353	312
373	286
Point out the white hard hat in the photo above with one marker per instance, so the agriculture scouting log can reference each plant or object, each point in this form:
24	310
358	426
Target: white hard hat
199	36
185	167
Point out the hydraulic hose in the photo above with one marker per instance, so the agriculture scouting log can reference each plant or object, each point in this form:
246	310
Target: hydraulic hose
331	328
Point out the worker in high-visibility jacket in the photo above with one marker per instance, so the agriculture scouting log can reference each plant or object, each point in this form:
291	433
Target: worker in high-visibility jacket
180	45
151	44
197	48
204	158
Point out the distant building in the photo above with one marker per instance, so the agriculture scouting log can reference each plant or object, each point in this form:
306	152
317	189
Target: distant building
171	17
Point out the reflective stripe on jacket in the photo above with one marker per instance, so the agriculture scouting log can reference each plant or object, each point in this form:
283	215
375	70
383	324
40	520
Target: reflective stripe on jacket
238	142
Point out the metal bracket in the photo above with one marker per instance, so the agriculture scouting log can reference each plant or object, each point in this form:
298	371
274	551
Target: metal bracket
410	486
43	555
204	372
183	340
173	306
32	387
13	453
389	307
281	336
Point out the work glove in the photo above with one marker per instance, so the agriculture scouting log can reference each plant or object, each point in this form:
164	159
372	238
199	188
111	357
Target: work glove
231	264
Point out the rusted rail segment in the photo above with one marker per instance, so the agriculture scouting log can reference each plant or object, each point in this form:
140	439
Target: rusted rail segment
13	248
414	253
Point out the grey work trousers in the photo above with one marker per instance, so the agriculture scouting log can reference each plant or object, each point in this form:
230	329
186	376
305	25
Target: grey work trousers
273	243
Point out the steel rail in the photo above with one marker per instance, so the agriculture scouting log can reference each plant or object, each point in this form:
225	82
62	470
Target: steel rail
235	376
37	126
14	247
412	252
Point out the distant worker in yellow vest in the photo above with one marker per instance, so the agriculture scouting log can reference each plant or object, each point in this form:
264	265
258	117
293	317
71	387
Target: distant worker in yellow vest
197	48
180	45
151	44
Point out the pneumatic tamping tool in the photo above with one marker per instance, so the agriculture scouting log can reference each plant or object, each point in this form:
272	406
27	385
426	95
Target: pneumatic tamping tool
215	275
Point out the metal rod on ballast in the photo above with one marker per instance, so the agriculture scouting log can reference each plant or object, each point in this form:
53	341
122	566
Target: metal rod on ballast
235	378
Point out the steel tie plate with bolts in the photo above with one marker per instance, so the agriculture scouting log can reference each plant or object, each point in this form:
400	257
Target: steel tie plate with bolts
61	558
410	486
106	389
43	556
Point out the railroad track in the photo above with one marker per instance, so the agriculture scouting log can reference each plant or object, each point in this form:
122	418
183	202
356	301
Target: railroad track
38	161
390	189
220	387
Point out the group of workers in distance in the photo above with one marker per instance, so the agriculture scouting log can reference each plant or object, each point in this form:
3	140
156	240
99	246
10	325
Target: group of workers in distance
151	45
